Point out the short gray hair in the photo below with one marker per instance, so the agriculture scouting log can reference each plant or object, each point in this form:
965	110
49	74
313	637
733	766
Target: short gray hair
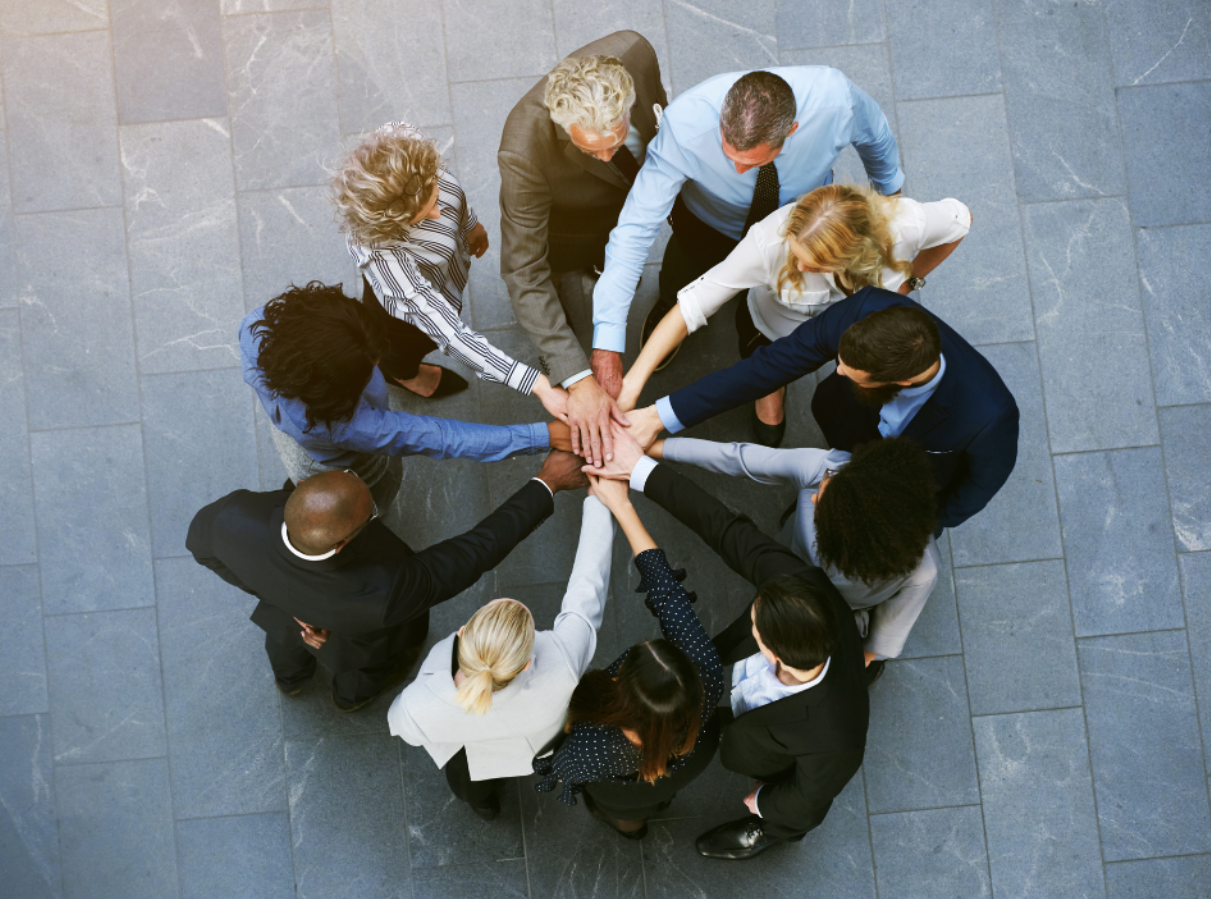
594	92
758	109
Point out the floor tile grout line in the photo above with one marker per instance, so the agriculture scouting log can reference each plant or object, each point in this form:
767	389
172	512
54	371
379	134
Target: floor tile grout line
882	43
1109	449
943	97
930	808
1156	858
1057	708
272	12
117	761
1159	630
1058	200
1008	562
1157	84
271	811
18	214
1184	405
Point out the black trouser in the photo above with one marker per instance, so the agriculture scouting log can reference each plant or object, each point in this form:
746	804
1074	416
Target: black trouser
407	344
478	793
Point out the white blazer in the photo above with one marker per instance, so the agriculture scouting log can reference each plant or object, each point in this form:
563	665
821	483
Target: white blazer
530	712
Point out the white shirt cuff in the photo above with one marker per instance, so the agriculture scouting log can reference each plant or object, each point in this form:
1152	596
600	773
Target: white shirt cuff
640	473
546	485
579	376
755	803
668	418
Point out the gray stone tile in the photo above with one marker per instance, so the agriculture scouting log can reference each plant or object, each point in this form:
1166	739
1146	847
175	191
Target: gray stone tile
1196	584
92	519
713	36
1060	94
238	7
1179	878
22	648
1039	814
347	818
918	749
825	23
184	244
1020	653
281	81
390	62
106	697
1178	317
61	116
1121	566
77	333
224	730
255	853
1158	42
116	825
997	533
29	833
442	830
1087	310
932	853
1188	467
8	265
312	714
521	43
577	24
438	499
168	60
936	632
504	879
289	237
1171	193
1144	745
19	17
960	148
198	431
958	39
17	536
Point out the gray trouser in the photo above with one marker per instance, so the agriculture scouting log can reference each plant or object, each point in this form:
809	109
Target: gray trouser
382	474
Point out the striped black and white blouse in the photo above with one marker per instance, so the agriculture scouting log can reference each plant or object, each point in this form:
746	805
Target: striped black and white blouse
421	279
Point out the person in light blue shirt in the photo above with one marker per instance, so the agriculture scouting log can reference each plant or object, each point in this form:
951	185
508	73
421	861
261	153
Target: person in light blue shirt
311	355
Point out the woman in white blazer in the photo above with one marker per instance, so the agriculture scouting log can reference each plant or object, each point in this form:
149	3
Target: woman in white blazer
492	696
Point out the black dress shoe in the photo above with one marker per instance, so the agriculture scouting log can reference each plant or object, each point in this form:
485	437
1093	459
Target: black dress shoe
735	840
489	812
655	314
874	671
288	689
768	435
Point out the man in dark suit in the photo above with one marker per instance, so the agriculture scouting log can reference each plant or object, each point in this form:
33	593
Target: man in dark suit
570	150
318	558
901	371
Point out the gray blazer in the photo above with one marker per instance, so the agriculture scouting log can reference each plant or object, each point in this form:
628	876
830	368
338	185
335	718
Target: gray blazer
558	205
530	712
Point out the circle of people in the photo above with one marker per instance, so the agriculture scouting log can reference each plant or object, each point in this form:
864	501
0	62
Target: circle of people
920	433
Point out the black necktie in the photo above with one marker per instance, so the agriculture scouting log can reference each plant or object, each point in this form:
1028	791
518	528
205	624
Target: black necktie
625	162
765	196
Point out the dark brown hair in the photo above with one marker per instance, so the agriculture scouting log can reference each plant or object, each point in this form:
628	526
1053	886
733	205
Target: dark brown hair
893	344
796	621
758	109
658	694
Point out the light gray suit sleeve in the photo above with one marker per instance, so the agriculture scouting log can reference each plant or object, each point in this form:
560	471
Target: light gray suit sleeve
892	620
584	603
798	467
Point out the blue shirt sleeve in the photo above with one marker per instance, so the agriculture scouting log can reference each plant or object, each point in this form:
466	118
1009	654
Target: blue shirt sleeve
375	430
872	138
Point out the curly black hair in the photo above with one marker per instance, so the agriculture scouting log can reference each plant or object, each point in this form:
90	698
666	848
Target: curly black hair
875	517
318	346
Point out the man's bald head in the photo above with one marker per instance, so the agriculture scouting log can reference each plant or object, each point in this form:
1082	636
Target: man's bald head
327	509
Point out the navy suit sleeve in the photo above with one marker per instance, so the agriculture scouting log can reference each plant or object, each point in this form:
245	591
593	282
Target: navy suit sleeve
990	459
200	542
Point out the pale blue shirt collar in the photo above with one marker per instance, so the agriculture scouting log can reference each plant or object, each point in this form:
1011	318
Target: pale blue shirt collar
755	683
895	416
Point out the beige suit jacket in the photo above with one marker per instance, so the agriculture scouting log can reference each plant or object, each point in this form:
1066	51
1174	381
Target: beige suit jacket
558	205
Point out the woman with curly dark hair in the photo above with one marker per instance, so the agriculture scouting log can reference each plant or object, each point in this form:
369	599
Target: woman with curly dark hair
867	520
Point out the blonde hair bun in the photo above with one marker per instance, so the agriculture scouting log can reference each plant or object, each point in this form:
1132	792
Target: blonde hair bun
495	646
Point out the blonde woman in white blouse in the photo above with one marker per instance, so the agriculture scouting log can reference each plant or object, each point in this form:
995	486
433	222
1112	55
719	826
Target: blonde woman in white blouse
797	261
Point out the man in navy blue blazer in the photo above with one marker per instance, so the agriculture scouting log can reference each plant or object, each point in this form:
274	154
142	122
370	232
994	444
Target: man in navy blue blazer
901	371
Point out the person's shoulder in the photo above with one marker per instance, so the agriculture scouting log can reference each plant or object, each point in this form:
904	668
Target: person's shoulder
528	126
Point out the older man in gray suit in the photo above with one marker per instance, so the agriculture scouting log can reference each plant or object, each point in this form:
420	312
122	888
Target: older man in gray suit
569	153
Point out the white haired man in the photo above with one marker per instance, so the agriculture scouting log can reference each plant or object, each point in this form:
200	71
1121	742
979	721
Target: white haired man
570	150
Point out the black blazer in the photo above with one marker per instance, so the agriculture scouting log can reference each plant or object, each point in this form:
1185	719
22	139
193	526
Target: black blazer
969	426
365	593
807	746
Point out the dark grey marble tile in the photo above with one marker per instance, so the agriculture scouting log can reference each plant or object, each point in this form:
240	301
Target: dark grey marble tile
932	853
1017	635
708	37
237	858
1118	542
115	821
92	519
1055	67
1039	816
1196	584
106	698
997	534
19	17
18	543
1159	42
504	879
438	499
29	832
198	431
960	148
312	713
1178	878
1087	310
918	748
1177	318
1188	467
22	649
347	818
281	83
183	243
1171	193
224	729
238	7
76	328
168	60
1144	745
61	117
577	24
936	632
8	265
521	43
822	23
391	63
943	49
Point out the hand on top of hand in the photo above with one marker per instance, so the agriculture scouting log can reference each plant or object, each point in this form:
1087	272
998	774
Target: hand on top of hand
626	453
607	369
561	471
590	411
614	495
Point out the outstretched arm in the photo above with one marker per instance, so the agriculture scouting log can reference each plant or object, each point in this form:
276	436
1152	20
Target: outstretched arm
584	604
990	460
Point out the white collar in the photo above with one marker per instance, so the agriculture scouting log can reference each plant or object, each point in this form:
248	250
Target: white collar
290	546
929	386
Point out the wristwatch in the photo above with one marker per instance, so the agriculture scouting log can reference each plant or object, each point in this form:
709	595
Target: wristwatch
915	283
